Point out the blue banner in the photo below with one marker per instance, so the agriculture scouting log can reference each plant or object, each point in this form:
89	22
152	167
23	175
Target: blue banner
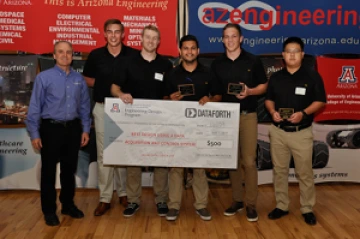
326	26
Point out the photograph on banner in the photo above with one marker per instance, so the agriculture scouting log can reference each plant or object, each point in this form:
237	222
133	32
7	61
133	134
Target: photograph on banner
80	23
343	142
267	23
329	163
171	133
20	165
320	156
17	74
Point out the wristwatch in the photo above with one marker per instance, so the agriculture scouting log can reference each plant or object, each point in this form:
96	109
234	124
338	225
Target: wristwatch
304	114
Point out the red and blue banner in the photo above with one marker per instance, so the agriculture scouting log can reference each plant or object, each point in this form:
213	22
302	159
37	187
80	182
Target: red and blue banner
326	26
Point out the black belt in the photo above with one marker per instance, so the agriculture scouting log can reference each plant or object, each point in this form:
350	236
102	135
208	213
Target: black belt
293	128
64	123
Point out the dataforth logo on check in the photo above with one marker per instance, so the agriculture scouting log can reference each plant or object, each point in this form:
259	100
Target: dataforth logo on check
193	113
190	113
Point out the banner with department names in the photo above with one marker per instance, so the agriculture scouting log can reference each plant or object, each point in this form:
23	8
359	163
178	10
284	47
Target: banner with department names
34	26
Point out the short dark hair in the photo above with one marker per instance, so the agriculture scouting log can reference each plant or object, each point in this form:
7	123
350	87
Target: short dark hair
232	25
296	40
113	21
189	38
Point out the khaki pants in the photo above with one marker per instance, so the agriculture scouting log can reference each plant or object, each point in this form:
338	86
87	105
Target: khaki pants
106	173
300	146
133	184
246	162
200	188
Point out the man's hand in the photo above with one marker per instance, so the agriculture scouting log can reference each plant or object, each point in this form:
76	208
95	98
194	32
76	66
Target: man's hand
244	93
204	100
296	117
36	143
176	96
84	139
276	117
126	98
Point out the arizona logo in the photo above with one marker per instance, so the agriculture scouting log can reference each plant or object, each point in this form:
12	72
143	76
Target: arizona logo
348	75
115	108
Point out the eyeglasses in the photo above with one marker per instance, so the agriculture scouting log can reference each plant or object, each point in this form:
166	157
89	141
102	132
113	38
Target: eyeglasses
295	51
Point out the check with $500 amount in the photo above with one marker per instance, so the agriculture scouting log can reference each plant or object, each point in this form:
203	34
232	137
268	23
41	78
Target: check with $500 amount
171	133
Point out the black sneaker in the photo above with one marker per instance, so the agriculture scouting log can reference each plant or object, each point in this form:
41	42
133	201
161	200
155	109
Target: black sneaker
235	207
172	214
204	214
131	209
72	211
162	209
251	214
51	219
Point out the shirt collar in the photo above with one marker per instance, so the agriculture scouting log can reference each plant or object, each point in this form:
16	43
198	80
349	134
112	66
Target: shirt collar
142	58
242	55
122	52
199	67
57	68
299	71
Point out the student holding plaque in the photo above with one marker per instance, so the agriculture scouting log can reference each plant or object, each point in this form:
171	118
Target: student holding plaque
243	78
98	71
190	81
294	94
142	77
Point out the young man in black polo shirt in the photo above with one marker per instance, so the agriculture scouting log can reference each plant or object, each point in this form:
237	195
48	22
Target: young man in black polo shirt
240	67
98	71
206	89
142	77
294	94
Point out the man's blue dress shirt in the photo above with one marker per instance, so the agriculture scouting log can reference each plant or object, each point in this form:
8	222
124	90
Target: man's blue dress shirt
60	97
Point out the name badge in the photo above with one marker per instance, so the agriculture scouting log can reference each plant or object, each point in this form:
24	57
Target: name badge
300	91
159	76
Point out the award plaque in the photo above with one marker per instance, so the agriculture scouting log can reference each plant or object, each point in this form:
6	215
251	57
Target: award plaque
285	113
187	89
235	89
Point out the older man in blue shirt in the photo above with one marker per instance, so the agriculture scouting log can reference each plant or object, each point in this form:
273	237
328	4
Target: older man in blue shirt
59	124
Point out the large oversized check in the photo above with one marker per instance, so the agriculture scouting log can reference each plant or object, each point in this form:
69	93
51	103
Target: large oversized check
171	134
